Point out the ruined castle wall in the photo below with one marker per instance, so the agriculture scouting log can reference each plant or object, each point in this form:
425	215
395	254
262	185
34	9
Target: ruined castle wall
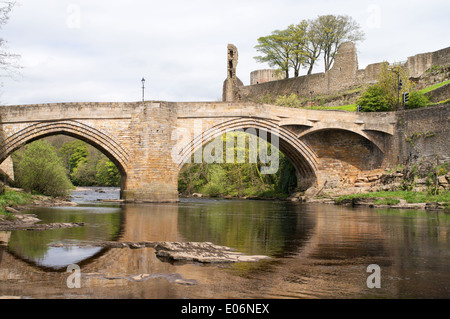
263	76
441	57
419	63
343	75
300	86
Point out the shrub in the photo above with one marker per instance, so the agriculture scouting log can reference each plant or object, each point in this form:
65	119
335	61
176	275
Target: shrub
107	173
288	100
84	174
40	169
417	99
374	99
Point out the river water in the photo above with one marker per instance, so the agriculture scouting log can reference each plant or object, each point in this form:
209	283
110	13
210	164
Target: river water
316	251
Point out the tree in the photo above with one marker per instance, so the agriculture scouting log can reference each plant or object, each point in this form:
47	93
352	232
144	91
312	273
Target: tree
41	170
299	40
388	80
302	44
374	99
392	80
331	31
84	174
107	173
8	61
277	49
313	46
73	153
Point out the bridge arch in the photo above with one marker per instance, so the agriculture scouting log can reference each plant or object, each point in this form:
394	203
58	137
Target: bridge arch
298	152
377	138
97	138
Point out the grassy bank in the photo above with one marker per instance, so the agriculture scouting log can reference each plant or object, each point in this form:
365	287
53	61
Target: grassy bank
394	197
13	198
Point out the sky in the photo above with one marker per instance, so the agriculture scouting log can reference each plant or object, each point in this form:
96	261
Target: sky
98	51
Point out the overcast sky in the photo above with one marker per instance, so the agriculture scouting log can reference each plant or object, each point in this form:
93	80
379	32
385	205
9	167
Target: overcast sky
98	51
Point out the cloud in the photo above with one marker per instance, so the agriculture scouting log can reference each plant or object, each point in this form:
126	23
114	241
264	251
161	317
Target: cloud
99	50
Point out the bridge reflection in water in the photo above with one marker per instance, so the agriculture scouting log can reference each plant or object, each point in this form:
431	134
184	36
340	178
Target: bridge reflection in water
318	251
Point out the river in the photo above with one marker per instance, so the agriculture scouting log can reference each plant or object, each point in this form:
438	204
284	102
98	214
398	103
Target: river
316	251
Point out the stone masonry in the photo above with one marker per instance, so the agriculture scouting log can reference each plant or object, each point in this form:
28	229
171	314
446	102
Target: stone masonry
343	75
150	141
232	84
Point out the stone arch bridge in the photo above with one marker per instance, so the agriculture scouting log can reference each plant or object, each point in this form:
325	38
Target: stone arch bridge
150	141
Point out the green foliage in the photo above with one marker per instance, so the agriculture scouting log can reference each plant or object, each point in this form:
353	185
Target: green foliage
374	99
73	153
40	169
409	196
384	96
417	99
87	166
388	81
387	201
288	100
302	44
276	50
83	164
237	180
332	31
12	198
84	174
434	87
107	173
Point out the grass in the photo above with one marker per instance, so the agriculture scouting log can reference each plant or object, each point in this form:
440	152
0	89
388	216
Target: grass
434	87
352	107
410	197
13	198
349	107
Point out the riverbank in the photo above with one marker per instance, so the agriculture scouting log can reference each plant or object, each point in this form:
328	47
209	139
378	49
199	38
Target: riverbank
361	197
14	201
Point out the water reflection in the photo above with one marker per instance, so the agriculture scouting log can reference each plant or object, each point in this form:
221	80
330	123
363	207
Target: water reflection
102	224
276	229
318	251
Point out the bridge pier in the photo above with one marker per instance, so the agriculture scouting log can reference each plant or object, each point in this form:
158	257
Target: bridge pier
152	175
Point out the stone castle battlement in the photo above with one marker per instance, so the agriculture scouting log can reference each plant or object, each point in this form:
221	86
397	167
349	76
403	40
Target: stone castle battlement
345	74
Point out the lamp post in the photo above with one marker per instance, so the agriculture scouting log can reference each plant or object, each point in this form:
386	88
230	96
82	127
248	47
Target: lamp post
143	89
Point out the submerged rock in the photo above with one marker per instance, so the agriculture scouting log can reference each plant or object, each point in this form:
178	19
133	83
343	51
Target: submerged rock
203	252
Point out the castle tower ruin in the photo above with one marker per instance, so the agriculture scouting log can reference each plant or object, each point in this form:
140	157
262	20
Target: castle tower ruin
232	83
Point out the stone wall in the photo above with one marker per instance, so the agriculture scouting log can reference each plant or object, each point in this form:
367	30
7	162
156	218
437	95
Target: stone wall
263	76
419	63
343	75
7	170
336	147
439	94
232	83
423	135
344	157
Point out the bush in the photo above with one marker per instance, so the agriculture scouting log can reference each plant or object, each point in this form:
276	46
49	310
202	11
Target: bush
40	170
374	99
84	174
107	173
288	100
417	99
